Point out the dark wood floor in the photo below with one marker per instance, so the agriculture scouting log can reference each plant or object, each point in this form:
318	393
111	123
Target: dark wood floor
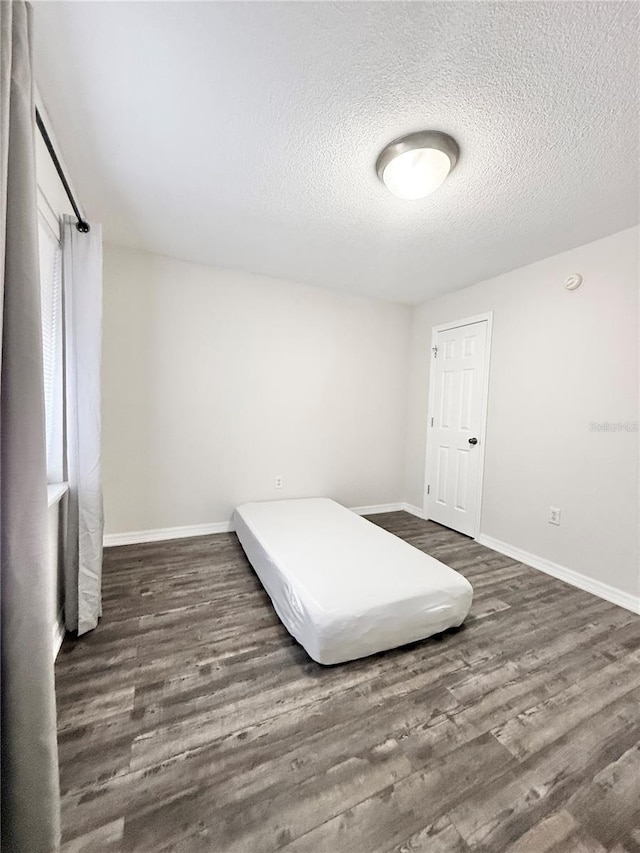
189	720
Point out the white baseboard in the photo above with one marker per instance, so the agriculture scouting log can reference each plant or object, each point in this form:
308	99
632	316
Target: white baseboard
137	537
602	590
59	631
376	509
413	510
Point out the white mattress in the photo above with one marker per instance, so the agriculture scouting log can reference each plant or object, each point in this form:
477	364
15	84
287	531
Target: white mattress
343	587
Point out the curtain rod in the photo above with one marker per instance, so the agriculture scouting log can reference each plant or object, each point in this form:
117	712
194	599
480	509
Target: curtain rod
81	224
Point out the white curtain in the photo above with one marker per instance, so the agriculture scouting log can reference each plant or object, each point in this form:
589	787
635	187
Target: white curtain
82	297
29	779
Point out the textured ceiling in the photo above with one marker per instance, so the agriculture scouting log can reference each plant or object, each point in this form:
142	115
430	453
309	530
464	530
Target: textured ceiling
245	134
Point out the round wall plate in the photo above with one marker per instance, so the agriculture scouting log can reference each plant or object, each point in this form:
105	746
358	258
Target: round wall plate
574	281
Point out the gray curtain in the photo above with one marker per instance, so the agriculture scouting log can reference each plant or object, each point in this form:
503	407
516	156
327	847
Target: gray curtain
30	796
82	297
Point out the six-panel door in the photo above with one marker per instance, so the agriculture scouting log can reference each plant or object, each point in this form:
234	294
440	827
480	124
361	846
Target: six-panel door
455	437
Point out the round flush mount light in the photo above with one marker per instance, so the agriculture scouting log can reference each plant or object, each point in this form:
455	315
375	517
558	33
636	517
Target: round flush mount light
415	165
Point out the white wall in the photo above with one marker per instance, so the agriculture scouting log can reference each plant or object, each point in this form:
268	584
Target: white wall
559	361
214	382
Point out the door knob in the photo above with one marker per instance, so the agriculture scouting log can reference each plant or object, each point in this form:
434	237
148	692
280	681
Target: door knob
473	441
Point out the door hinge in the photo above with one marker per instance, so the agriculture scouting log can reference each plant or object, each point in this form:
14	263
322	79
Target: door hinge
435	351
428	490
431	421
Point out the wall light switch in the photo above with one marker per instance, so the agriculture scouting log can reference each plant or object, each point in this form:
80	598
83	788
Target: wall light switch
554	515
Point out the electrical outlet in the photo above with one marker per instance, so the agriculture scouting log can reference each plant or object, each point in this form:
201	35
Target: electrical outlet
278	482
554	515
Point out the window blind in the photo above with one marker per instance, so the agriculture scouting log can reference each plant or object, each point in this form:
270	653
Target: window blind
51	300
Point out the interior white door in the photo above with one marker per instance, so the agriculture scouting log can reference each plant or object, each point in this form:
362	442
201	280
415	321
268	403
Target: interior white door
456	436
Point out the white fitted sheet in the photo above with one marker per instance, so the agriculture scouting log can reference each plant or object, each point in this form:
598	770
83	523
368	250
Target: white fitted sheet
343	587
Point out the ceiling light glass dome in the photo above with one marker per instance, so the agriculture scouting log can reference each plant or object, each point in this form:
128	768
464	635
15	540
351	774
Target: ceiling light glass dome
414	166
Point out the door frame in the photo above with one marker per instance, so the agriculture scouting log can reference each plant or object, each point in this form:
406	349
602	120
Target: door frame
435	330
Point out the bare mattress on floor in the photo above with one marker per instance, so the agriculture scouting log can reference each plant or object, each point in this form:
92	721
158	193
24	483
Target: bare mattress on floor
343	587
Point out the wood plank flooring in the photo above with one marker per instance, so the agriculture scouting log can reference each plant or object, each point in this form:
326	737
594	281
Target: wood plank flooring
189	720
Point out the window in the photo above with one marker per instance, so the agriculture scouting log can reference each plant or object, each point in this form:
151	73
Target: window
51	298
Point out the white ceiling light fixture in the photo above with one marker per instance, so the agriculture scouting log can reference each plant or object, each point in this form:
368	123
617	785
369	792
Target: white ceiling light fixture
414	166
